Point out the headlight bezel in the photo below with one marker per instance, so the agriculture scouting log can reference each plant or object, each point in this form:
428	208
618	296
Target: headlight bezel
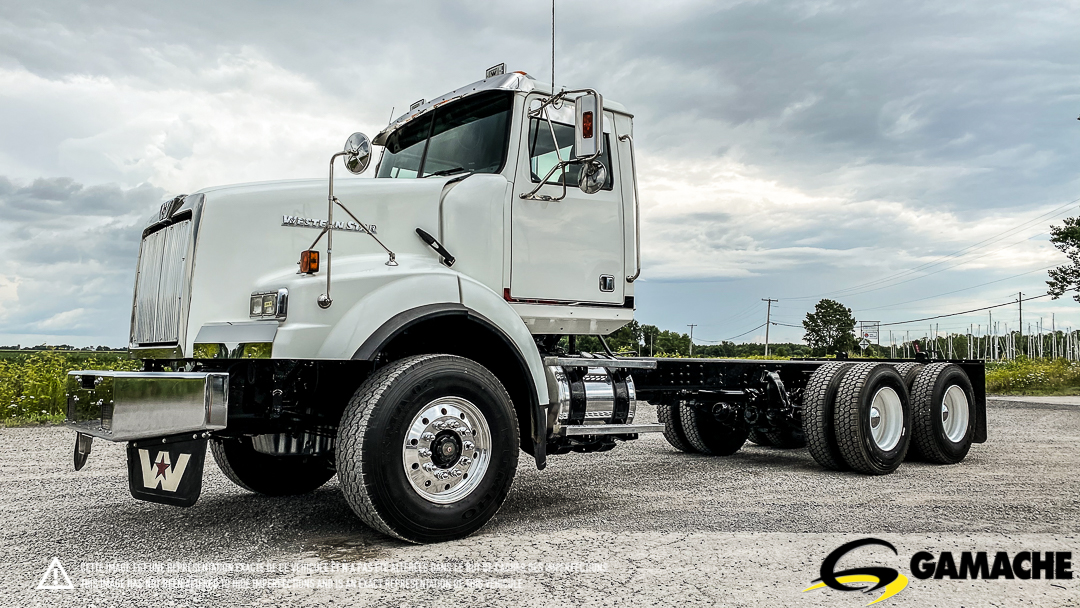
269	304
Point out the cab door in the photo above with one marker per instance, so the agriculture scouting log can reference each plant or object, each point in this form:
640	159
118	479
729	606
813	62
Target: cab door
570	250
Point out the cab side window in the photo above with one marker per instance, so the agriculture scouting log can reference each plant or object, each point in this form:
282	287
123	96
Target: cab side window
542	155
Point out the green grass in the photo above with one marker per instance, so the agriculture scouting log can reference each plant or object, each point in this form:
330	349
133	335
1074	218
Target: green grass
1033	377
32	383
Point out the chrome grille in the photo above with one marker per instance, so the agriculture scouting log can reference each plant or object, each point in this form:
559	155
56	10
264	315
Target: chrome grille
160	288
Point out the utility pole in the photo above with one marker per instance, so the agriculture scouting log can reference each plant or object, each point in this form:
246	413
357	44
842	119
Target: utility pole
768	319
692	326
1020	303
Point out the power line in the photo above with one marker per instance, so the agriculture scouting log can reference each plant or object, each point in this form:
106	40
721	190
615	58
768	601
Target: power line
744	333
943	259
953	314
958	290
731	338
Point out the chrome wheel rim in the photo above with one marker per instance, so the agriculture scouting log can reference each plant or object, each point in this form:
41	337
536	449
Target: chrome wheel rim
886	419
955	411
447	450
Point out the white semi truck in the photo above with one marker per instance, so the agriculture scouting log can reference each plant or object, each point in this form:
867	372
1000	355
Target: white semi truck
410	333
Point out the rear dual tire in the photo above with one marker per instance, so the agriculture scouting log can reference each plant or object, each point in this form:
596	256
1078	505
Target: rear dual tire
872	418
708	435
943	419
819	399
692	430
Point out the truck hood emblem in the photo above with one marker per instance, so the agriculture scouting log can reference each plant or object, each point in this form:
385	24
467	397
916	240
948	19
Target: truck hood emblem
307	222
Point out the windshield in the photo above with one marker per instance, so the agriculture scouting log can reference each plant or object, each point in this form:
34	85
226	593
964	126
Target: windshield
467	135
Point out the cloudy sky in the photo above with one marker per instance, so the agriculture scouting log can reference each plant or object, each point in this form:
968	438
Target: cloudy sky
904	158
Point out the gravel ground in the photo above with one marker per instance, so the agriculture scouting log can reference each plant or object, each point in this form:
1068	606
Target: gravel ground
640	525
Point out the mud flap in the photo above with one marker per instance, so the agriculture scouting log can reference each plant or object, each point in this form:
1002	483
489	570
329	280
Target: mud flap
167	470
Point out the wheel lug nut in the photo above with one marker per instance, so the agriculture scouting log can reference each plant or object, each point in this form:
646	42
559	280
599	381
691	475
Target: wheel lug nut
423	452
465	462
468	445
428	437
429	467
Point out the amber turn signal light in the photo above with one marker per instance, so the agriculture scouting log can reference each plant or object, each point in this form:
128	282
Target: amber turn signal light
309	261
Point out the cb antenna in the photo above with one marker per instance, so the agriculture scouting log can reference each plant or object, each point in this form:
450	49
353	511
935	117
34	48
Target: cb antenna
553	47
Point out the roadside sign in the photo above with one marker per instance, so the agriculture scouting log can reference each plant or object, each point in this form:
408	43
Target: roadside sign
864	343
869	330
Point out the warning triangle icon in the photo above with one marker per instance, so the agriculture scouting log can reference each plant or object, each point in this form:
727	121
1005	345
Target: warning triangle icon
55	577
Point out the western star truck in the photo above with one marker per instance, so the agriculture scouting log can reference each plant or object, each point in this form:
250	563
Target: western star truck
410	333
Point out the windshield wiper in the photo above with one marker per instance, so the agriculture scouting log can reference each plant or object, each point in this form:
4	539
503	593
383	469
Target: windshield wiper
446	172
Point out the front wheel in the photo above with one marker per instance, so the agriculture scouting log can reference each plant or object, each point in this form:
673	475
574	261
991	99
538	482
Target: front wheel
427	448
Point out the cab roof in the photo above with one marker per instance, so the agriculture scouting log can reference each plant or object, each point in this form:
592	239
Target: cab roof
514	81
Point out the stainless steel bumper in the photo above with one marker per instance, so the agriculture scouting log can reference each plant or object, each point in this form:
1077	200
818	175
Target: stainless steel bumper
121	406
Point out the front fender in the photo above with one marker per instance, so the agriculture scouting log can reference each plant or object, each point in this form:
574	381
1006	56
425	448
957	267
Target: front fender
376	315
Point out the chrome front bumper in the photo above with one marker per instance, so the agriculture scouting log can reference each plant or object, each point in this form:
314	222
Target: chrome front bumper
122	406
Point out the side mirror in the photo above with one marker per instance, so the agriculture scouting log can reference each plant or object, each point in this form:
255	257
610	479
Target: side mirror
593	176
588	125
357	153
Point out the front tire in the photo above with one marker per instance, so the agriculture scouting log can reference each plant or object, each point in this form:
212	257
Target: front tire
427	448
267	474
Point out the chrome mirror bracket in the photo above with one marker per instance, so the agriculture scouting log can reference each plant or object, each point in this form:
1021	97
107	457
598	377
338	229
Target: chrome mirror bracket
357	155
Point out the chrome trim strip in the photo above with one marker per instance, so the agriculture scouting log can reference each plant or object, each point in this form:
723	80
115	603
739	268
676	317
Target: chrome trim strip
609	363
610	429
245	331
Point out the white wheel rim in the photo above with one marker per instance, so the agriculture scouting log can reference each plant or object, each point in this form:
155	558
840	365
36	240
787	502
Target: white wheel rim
447	450
886	419
955	411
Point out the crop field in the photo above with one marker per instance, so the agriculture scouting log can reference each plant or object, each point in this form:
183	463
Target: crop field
32	383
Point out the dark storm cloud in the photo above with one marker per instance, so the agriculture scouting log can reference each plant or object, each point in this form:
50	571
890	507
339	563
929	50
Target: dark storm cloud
894	127
61	200
68	254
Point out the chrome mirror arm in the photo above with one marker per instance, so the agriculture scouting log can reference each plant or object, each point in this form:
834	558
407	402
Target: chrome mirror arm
562	164
353	148
324	300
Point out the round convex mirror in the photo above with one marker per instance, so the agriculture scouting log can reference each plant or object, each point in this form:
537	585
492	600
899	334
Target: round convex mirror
593	176
358	153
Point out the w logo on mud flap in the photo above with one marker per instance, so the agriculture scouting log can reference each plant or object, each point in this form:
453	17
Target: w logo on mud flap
168	472
159	472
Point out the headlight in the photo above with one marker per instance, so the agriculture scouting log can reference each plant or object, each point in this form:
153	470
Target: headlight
269	304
